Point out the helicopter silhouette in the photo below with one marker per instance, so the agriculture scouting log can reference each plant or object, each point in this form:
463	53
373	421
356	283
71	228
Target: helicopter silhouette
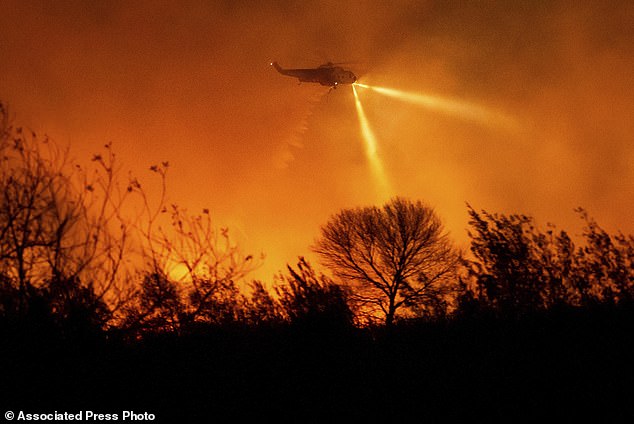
327	74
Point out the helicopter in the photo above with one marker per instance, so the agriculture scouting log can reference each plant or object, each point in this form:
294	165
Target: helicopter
327	74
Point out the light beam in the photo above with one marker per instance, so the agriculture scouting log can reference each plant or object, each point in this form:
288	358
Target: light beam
457	108
371	147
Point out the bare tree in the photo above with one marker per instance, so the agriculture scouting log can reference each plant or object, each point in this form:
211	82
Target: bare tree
61	234
396	258
193	271
213	264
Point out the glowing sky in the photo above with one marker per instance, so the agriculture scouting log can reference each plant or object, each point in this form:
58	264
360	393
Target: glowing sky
190	82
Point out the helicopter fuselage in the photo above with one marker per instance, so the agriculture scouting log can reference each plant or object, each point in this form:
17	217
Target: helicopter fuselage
327	75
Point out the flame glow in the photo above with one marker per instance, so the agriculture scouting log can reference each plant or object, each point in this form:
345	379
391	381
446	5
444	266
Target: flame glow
460	109
371	147
178	271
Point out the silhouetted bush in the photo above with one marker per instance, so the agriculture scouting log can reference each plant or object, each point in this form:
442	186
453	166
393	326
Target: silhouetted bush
312	300
519	269
156	307
261	307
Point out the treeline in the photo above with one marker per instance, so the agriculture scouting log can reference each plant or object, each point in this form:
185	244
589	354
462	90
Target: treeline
71	257
113	299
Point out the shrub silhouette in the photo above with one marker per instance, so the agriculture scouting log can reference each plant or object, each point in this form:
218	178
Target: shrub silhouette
261	307
156	308
517	269
311	300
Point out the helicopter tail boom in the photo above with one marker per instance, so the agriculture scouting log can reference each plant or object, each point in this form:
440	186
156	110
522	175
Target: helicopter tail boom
304	75
278	68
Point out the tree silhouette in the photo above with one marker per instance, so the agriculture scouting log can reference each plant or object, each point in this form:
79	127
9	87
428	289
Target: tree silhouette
61	236
395	258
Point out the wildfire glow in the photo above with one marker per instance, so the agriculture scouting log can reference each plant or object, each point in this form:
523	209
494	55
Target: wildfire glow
178	272
460	109
371	147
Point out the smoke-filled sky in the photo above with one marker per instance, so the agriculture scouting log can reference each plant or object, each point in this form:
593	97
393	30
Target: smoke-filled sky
189	82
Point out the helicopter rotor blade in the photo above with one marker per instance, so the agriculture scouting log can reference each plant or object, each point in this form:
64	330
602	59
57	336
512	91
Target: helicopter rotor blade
356	62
